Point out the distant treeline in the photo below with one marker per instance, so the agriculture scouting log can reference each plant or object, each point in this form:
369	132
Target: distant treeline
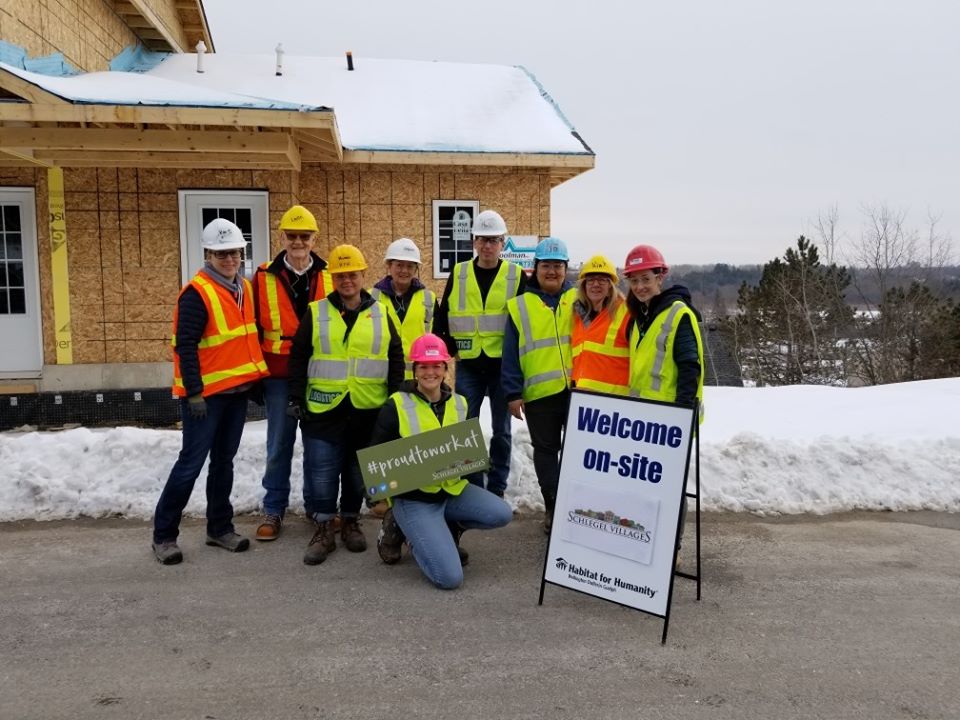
715	287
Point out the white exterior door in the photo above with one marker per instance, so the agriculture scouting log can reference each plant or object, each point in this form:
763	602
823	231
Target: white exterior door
246	208
22	354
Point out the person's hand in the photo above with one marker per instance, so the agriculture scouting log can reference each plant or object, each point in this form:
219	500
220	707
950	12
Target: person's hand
255	393
293	410
516	408
197	406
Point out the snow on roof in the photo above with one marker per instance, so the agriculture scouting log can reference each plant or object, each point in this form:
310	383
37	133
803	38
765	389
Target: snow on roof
125	88
401	105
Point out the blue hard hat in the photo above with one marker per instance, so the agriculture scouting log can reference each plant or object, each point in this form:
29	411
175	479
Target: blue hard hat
551	248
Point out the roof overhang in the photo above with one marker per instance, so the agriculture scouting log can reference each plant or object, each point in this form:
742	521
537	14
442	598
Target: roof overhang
40	128
43	129
143	20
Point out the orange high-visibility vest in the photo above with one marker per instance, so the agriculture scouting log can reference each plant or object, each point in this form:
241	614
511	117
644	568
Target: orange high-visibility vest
601	354
229	349
276	315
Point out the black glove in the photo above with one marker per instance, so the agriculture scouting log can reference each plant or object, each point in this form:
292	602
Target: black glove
293	410
255	393
197	406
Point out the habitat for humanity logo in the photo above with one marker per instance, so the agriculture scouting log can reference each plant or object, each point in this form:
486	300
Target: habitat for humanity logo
608	521
600	580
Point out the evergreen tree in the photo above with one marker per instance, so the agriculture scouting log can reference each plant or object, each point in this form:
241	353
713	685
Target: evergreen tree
790	328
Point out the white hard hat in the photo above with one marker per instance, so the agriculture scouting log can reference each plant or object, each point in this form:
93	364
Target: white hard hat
221	234
489	223
403	249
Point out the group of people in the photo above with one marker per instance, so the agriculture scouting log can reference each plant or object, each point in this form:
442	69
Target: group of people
353	367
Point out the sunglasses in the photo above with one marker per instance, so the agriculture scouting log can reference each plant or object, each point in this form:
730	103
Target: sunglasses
224	254
489	240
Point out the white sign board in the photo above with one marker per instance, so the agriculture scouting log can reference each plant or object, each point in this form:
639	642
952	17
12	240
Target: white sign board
622	479
519	249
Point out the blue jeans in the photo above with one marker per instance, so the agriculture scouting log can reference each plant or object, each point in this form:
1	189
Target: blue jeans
474	386
425	525
330	464
218	434
281	436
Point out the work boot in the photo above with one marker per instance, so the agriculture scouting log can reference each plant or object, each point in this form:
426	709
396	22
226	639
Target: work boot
321	544
269	528
229	541
390	539
167	553
456	529
351	535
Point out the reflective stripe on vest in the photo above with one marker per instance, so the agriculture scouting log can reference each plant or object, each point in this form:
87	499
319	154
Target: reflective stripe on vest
417	320
653	373
544	343
277	315
228	351
359	367
416	416
601	356
477	325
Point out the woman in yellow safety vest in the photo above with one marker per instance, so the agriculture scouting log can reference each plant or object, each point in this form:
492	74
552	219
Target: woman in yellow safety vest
410	304
345	360
537	362
432	518
666	351
601	358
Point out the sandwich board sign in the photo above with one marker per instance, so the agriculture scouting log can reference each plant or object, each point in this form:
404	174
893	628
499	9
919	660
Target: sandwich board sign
616	525
427	458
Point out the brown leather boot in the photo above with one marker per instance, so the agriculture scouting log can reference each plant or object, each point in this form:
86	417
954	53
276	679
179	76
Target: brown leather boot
352	535
321	544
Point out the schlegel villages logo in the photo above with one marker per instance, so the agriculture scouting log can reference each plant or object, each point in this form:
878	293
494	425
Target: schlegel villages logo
598	579
609	522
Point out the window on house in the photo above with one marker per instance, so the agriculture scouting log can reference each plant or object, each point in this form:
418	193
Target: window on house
452	239
248	209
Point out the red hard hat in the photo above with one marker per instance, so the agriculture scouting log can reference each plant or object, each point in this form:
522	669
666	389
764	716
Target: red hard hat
644	257
429	348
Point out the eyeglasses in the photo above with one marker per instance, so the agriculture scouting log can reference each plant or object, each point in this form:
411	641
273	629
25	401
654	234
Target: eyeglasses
224	254
642	281
298	237
489	239
597	280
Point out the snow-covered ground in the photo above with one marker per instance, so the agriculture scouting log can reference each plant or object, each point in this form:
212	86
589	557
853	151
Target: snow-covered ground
799	449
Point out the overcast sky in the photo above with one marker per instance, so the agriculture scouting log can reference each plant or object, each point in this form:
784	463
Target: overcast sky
721	128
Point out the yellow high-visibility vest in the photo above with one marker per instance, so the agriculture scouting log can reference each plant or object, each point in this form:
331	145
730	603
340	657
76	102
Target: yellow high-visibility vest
418	320
475	324
653	373
544	343
358	367
417	417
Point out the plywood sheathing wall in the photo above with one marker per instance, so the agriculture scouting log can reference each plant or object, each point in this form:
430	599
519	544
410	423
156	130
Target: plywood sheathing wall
369	206
124	237
88	33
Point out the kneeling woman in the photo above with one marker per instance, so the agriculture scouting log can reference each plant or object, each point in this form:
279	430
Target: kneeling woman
433	517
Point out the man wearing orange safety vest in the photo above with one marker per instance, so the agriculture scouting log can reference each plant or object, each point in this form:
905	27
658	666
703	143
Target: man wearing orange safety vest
283	289
216	360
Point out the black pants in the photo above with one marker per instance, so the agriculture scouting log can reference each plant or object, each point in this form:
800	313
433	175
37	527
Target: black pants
546	419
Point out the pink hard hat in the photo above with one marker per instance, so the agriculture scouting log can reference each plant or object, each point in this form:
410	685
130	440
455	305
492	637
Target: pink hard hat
429	348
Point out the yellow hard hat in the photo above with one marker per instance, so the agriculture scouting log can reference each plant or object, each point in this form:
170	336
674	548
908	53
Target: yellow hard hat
599	264
299	218
345	258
